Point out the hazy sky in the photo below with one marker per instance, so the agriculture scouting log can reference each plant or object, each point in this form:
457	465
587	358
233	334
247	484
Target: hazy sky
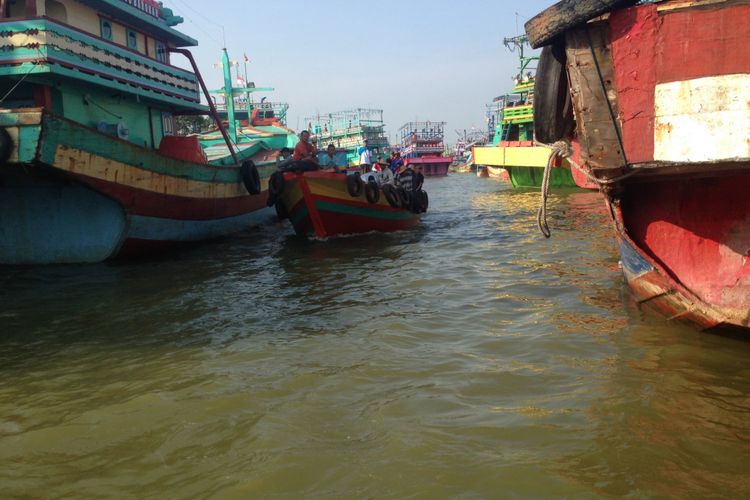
415	59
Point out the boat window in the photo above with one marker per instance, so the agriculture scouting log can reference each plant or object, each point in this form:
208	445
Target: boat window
56	10
167	121
132	40
106	29
161	52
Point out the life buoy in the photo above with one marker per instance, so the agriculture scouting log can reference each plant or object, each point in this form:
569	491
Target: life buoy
354	185
391	196
6	145
556	20
250	177
372	191
553	107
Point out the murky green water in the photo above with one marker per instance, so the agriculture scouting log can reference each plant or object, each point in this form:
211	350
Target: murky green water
467	359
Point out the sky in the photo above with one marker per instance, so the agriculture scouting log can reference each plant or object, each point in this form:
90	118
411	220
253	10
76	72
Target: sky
415	59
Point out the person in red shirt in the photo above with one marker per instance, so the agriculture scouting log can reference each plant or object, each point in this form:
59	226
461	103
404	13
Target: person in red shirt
305	154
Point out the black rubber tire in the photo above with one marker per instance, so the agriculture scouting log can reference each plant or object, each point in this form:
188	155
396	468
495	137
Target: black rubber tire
543	28
354	185
372	192
276	184
281	211
423	201
250	177
6	145
553	107
391	196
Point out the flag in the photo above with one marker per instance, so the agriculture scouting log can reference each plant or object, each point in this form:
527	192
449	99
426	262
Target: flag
247	59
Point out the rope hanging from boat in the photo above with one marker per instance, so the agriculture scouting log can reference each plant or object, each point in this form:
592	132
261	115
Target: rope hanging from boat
19	82
560	149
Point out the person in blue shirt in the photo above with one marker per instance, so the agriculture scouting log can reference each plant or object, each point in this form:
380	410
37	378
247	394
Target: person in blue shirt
396	162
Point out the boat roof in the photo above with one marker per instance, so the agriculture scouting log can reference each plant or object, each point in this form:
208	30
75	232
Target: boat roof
144	18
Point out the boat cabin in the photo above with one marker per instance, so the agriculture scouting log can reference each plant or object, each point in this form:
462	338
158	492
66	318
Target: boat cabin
105	64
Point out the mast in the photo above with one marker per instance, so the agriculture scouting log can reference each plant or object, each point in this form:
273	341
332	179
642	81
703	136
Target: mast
228	95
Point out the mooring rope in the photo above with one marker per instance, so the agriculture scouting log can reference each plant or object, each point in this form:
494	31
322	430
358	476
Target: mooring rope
560	149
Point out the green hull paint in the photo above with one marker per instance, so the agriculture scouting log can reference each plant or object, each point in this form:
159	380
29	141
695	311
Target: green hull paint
531	177
341	208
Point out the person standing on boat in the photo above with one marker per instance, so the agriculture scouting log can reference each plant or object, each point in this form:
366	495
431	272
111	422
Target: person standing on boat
396	162
305	156
365	156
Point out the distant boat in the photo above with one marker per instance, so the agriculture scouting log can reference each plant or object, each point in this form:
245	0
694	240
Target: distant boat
422	145
326	204
90	167
513	148
348	131
660	93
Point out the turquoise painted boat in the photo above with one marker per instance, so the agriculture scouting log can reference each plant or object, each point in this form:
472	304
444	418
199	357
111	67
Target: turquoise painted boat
90	168
256	129
347	130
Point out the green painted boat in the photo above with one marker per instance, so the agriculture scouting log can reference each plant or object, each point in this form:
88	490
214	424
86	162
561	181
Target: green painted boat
257	129
513	147
90	165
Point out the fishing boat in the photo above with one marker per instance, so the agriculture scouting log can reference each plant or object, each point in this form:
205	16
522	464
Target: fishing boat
258	130
422	145
90	168
325	204
348	131
660	93
513	150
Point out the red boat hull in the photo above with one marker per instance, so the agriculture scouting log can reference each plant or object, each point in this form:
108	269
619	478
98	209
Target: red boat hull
319	205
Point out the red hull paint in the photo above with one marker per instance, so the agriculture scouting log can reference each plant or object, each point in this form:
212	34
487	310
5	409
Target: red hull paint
650	48
327	217
151	204
698	230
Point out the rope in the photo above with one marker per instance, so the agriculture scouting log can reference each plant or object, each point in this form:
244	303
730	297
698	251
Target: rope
560	149
19	82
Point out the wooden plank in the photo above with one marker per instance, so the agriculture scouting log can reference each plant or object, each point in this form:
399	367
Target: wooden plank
565	15
600	148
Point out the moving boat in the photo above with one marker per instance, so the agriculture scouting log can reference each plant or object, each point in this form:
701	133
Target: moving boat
660	93
90	168
422	145
326	204
513	147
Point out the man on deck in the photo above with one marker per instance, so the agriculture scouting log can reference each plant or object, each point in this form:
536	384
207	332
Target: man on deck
305	155
365	157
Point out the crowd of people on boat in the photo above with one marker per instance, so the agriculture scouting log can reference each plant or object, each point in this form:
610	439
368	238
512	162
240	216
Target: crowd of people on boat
390	171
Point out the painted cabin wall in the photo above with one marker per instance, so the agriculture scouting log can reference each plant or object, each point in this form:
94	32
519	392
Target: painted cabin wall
103	106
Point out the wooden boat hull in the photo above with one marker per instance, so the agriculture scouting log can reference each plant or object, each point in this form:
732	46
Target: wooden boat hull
498	173
675	76
71	194
684	245
319	205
